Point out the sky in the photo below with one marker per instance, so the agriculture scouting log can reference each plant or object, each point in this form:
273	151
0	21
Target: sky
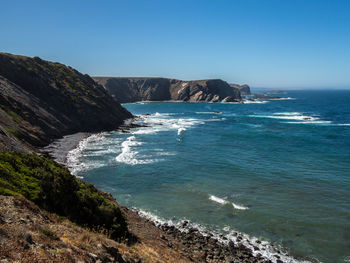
263	43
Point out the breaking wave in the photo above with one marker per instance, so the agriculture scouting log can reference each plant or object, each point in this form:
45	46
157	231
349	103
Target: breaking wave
224	202
225	235
299	118
94	146
255	101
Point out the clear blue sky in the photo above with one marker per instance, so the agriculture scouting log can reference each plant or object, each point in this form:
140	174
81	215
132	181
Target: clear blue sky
265	43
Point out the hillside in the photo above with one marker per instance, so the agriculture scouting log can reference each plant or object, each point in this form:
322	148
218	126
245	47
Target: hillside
163	89
42	100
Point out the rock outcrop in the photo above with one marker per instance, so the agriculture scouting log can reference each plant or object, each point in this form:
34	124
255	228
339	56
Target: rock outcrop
42	100
244	89
162	89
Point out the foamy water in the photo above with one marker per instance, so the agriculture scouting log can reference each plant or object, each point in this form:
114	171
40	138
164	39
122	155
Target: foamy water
223	202
255	101
289	116
265	249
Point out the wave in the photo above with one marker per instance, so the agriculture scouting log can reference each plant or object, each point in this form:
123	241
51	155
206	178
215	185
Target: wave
218	200
287	117
309	122
323	123
299	118
159	122
73	159
180	131
255	101
283	98
223	202
287	113
295	118
128	153
166	114
224	235
208	112
145	131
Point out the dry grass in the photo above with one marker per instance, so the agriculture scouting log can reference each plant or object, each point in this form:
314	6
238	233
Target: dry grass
28	234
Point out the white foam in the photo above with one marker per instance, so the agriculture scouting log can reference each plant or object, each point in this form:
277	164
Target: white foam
208	112
180	131
323	123
283	98
128	154
288	113
160	122
145	131
218	200
225	235
295	117
287	117
255	101
240	207
309	122
74	163
223	202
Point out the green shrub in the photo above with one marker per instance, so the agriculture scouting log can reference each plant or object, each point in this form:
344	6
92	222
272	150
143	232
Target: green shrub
13	115
49	234
13	132
52	187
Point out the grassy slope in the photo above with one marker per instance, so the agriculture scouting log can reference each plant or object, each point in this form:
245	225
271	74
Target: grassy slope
52	187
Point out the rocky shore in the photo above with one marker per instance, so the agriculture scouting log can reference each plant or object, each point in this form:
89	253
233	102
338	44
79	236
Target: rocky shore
207	247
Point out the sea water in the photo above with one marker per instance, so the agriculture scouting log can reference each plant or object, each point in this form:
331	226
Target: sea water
275	170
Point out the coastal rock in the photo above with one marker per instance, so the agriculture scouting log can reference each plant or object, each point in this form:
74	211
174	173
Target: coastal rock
42	100
230	99
244	89
162	89
263	96
275	92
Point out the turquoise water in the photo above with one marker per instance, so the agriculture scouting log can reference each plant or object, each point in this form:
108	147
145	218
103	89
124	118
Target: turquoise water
276	170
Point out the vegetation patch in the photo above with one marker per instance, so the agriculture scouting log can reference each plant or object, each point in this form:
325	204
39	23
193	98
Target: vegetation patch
49	234
51	186
13	132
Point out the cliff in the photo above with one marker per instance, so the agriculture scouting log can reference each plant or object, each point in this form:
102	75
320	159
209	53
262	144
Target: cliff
42	100
162	89
244	89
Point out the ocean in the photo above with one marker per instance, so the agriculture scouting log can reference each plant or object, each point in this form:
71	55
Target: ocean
277	171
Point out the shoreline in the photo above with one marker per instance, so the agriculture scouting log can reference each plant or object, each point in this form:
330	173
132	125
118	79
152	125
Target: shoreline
195	244
59	149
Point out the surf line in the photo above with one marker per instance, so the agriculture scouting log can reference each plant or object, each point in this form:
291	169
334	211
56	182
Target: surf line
224	202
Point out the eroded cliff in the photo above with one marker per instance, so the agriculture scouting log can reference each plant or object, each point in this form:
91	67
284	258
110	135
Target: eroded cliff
163	89
42	100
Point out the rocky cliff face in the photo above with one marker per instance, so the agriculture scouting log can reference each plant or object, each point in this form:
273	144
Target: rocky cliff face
42	100
244	89
161	89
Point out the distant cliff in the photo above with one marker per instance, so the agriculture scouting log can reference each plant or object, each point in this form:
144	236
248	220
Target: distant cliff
244	89
161	89
42	100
